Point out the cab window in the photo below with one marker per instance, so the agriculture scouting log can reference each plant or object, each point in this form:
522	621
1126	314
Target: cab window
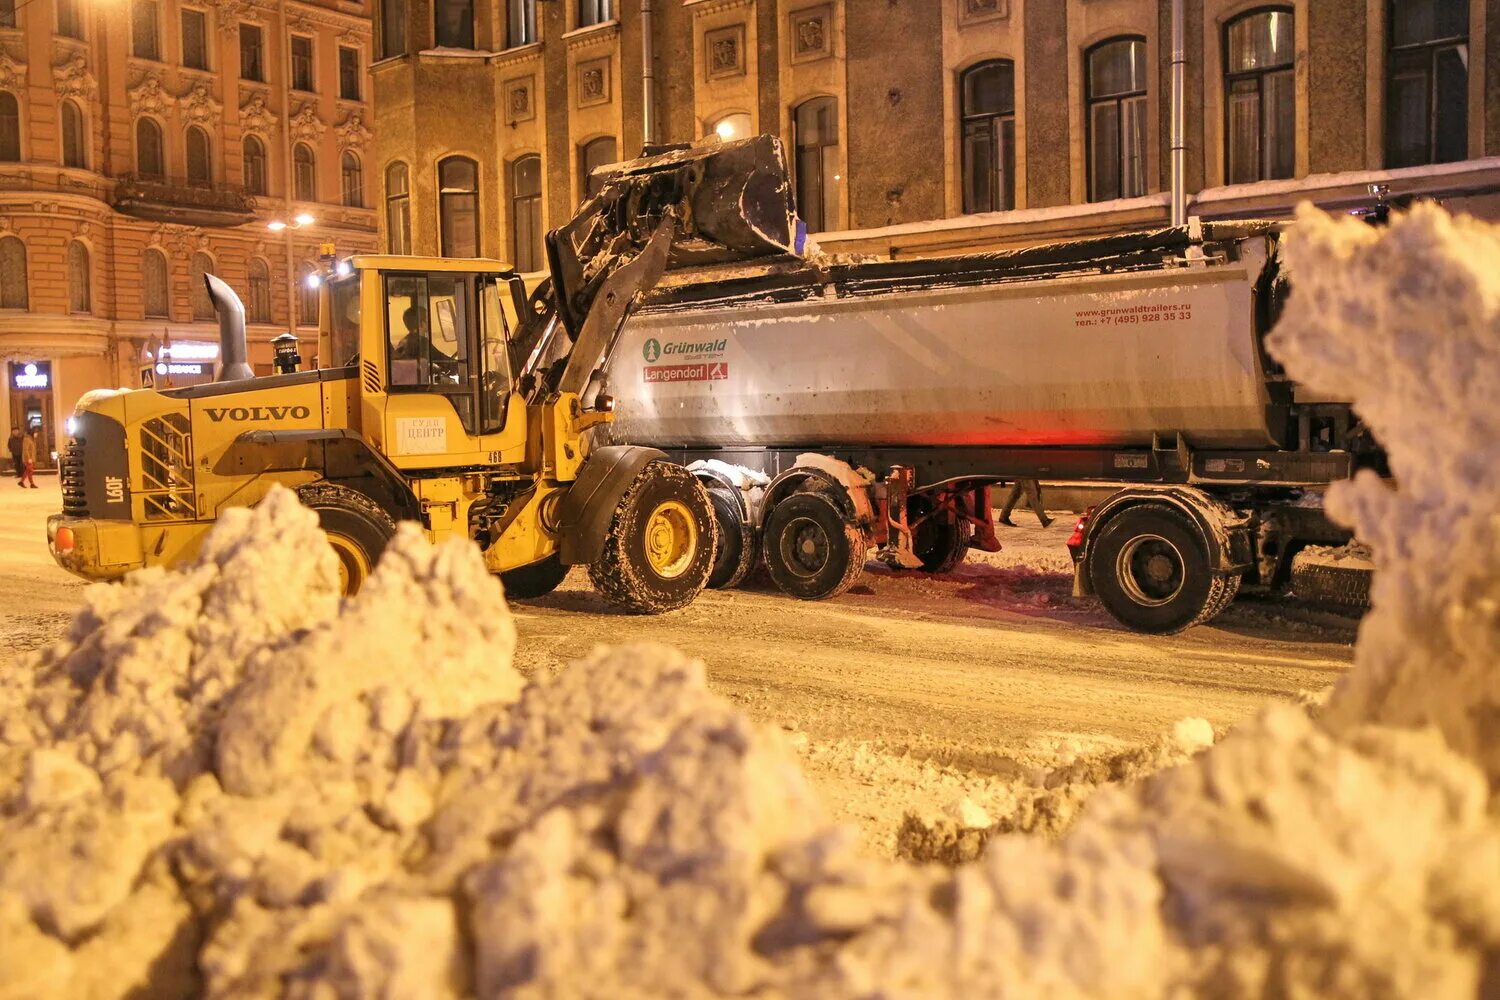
343	334
496	385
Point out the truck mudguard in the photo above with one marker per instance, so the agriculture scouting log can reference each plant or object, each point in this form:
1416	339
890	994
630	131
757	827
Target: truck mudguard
1224	530
589	506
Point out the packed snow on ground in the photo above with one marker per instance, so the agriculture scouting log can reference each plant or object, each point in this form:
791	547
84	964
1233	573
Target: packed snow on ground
226	781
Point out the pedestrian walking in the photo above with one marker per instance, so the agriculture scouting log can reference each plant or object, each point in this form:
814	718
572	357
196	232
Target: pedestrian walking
28	459
15	455
1033	493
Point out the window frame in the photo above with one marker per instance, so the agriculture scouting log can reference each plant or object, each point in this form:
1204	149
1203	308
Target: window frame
357	79
254	298
12	240
400	202
154	53
522	14
293	60
263	188
199	302
189	135
183	13
299	193
347	157
8	14
993	120
824	223
1118	100
1230	77
302	316
472	36
73	20
161	148
1432	49
64	106
536	251
585	172
157	254
9	101
87	285
246	30
445	196
391	45
594	12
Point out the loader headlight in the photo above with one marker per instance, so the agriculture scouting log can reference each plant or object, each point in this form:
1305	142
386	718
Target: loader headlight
314	280
72	426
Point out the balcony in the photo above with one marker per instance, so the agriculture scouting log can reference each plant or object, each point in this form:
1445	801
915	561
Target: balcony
176	199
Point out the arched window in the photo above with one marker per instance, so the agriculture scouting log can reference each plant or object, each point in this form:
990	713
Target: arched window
259	305
987	104
200	170
198	265
154	283
526	213
304	173
816	127
80	298
1116	114
13	293
392	28
149	161
730	127
74	142
10	127
397	208
458	206
255	165
1260	103
453	24
307	296
595	12
1427	85
522	22
592	155
353	176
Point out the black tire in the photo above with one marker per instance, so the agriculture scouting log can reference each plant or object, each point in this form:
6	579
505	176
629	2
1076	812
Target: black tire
357	527
940	542
641	574
813	550
735	551
526	583
1149	567
1339	586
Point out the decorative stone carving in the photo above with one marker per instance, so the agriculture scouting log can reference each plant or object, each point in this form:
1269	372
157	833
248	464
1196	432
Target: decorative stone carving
12	73
232	12
305	123
73	79
150	97
982	10
593	82
519	106
199	106
725	51
352	131
256	116
812	34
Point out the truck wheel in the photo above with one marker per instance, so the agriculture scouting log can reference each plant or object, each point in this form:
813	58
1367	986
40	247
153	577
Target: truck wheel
1341	586
813	550
357	527
1150	568
734	554
660	546
940	542
526	583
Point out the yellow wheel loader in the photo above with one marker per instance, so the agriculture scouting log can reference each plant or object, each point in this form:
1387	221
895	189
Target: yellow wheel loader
447	395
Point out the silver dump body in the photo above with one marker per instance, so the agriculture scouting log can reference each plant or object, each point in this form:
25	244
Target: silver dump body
1100	342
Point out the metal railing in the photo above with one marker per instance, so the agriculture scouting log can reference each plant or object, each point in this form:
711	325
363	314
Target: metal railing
180	192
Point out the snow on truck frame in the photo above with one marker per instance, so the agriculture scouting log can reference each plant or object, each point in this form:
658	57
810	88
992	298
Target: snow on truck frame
874	404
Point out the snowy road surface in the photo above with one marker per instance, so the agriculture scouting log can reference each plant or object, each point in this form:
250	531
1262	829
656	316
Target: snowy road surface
904	691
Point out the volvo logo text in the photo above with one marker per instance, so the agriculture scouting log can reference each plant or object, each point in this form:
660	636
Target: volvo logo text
239	414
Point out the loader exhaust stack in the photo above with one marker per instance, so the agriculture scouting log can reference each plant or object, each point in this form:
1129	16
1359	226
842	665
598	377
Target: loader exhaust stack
232	346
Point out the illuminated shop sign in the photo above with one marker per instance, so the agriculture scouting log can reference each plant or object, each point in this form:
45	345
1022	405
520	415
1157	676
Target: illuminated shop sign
178	368
31	375
189	351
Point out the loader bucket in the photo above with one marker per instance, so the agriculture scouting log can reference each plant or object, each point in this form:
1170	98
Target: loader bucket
730	202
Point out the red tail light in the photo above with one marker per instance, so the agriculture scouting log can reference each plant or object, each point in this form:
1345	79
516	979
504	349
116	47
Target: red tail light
1076	538
63	540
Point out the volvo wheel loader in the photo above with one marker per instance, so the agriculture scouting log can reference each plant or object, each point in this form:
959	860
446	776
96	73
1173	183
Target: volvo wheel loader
447	395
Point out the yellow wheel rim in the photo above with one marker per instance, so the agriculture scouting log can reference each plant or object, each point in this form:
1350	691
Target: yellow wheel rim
354	568
671	539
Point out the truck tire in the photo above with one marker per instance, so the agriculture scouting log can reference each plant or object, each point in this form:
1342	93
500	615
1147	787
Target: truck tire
526	583
357	527
660	547
1149	567
940	542
735	552
1339	586
813	549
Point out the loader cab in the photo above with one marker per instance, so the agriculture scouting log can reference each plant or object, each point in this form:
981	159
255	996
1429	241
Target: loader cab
430	341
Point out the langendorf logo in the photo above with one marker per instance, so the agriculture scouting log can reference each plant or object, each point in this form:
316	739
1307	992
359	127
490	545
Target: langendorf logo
652	350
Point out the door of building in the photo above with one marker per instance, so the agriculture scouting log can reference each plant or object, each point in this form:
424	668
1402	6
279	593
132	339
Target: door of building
31	405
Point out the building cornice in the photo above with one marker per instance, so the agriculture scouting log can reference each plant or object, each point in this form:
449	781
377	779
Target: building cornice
607	33
702	8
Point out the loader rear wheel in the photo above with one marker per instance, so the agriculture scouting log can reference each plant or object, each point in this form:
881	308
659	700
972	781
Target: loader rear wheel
735	553
660	547
813	549
357	527
1150	568
527	583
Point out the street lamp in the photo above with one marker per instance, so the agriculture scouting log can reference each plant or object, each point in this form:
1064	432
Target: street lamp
299	221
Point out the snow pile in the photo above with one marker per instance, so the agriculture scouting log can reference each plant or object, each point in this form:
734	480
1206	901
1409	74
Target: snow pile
228	782
1407	321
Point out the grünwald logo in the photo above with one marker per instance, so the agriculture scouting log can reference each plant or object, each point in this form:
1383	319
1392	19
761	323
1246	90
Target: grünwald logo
652	350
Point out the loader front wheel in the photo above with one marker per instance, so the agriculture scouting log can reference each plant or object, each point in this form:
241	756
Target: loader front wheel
527	583
660	547
357	527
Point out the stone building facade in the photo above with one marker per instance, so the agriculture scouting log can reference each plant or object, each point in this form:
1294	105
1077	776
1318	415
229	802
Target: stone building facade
143	142
934	126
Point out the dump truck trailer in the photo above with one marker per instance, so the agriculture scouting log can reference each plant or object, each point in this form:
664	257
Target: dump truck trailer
836	406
